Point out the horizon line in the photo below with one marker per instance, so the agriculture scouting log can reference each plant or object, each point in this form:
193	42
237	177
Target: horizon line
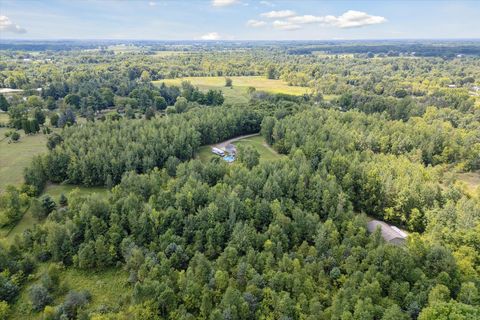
236	40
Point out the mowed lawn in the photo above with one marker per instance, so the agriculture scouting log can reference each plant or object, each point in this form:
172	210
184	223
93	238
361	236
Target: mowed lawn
239	92
14	157
257	142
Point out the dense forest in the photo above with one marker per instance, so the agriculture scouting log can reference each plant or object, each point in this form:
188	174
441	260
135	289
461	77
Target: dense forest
380	134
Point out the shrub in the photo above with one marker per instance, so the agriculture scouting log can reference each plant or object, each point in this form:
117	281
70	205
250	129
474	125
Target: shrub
39	297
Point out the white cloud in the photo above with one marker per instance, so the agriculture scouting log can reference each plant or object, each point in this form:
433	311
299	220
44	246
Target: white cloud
267	3
306	19
7	25
152	3
349	19
279	14
256	23
285	25
353	19
210	36
223	3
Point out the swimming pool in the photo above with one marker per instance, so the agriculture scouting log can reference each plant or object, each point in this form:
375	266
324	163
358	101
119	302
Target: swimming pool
229	158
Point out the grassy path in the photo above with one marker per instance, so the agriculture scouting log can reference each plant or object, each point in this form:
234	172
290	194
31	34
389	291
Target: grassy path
225	143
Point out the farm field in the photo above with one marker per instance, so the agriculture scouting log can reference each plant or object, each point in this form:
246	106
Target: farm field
239	92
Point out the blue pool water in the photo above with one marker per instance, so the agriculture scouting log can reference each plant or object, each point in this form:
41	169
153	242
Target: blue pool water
229	158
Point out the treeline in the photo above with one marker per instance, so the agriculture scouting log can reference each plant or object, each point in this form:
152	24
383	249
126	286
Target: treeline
447	49
432	140
379	163
401	106
99	153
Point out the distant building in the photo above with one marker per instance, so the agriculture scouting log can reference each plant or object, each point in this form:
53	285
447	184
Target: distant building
390	234
9	90
218	152
452	86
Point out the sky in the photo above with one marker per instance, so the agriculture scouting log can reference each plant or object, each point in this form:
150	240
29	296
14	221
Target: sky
239	19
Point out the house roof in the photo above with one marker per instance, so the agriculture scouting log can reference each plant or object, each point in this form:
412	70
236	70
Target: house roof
388	232
214	149
231	148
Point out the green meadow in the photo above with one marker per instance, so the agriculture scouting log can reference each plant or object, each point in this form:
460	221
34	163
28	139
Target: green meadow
14	157
55	190
109	289
238	93
7	234
471	181
258	143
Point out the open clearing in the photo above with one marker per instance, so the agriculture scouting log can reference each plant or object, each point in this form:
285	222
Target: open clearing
169	53
471	180
7	234
108	289
55	190
3	119
14	157
257	142
239	92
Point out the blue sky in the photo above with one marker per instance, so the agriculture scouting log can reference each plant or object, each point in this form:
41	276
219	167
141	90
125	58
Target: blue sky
238	19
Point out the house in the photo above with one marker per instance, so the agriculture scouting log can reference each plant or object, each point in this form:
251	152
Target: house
231	149
218	152
452	86
389	233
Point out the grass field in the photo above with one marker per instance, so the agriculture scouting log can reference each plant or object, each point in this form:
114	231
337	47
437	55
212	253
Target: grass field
471	180
14	157
3	118
7	235
55	190
257	142
168	53
108	289
238	93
